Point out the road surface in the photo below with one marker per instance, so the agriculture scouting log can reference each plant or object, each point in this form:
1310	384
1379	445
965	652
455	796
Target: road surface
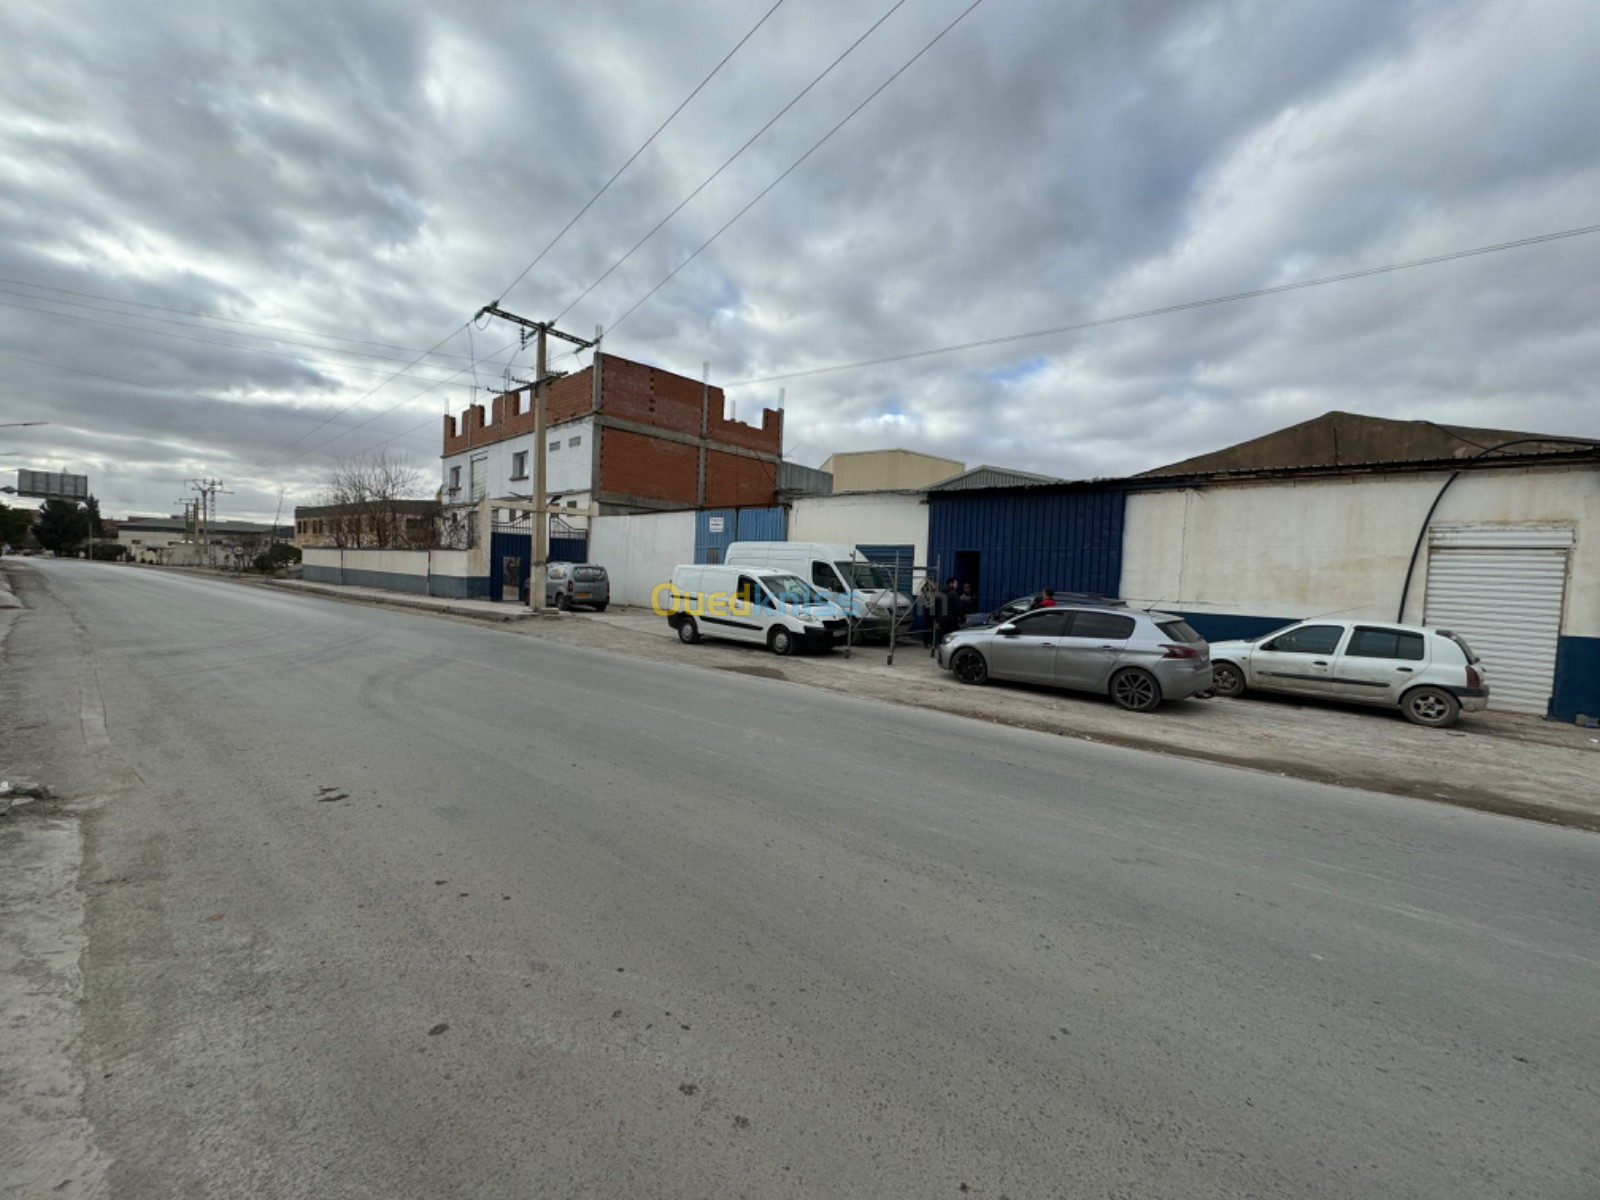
384	905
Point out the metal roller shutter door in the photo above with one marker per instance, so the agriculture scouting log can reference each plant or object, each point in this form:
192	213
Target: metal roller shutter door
1502	589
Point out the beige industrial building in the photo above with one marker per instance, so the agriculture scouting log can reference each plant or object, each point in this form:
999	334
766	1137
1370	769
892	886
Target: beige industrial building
888	470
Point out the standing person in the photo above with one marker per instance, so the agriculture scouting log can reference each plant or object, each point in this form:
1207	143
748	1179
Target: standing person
929	595
949	611
969	602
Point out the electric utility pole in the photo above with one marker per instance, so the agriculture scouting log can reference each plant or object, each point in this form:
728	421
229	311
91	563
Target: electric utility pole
206	508
541	498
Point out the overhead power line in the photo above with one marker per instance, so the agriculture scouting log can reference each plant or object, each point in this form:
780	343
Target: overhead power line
319	362
645	145
150	387
792	166
1232	297
282	341
848	50
525	270
189	312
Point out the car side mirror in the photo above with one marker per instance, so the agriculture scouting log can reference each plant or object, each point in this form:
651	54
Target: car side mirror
1007	630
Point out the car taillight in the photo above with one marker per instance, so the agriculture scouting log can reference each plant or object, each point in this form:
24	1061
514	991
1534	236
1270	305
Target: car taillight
1474	677
1175	650
569	585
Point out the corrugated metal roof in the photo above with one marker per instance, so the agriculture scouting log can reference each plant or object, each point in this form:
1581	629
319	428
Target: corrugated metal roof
991	477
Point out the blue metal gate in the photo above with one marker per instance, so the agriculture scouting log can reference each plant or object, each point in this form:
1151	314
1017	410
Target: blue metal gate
715	529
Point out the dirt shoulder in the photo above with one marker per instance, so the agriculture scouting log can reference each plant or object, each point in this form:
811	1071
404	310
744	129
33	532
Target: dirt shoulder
1496	762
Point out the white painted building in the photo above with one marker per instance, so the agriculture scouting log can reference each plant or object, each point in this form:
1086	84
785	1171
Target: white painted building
1336	517
505	468
897	518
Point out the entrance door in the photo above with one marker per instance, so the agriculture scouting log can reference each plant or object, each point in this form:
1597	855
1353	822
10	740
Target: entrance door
1501	587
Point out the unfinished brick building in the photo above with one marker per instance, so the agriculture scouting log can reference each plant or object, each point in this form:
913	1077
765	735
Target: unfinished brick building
621	437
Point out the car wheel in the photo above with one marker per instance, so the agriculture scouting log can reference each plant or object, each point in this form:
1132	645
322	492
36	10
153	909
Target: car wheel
1135	690
688	631
1227	679
968	666
781	641
1430	706
562	603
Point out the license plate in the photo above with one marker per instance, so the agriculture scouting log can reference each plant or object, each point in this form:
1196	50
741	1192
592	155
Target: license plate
583	595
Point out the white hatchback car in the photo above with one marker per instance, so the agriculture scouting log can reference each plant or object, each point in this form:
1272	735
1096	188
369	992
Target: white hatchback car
1430	675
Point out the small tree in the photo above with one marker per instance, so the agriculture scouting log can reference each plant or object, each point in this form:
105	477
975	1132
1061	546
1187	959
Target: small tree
14	525
97	527
61	525
276	556
365	497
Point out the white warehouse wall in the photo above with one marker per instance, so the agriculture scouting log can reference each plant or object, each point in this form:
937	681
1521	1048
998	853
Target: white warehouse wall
569	470
1340	546
863	518
639	551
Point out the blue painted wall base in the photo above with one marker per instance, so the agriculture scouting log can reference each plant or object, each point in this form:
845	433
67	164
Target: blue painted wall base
1577	689
453	587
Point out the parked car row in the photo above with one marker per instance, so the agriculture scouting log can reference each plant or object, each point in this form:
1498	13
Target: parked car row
794	596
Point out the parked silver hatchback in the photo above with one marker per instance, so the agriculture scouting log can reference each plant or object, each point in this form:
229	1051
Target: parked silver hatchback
567	585
1139	659
1430	675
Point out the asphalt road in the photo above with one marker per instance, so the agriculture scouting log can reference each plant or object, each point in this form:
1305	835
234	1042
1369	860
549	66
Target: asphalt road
581	926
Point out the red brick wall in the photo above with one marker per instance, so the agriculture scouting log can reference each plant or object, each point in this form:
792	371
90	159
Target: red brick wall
512	413
733	480
632	464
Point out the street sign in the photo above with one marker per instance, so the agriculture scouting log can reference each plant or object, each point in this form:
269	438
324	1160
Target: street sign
714	524
52	485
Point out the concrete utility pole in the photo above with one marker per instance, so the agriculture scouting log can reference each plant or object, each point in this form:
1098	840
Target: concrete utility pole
541	496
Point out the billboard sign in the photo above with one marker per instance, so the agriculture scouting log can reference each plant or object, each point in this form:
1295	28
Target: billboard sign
53	485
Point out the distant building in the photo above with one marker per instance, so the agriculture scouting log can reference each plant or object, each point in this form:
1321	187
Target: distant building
173	541
621	437
380	524
887	470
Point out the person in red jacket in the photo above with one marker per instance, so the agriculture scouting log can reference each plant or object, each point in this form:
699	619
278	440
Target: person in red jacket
1047	599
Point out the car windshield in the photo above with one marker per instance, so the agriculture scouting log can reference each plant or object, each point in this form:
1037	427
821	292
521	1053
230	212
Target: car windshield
865	576
791	589
589	573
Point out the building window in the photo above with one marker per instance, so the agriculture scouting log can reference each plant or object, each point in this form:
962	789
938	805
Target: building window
574	441
455	479
519	465
555	445
572	504
478	476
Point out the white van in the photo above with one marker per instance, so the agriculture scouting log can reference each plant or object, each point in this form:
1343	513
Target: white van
863	589
751	604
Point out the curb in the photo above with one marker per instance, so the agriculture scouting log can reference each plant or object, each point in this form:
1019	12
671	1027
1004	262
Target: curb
400	600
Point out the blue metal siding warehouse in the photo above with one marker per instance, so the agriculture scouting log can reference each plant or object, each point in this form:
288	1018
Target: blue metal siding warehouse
1009	543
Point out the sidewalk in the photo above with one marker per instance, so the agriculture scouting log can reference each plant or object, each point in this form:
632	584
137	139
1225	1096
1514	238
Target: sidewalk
479	610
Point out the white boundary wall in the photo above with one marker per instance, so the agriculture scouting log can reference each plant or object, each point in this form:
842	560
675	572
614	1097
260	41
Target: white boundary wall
639	551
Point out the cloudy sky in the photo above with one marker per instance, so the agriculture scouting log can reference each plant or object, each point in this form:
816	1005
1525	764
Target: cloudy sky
255	213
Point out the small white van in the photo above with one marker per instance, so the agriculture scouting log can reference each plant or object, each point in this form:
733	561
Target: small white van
863	589
751	604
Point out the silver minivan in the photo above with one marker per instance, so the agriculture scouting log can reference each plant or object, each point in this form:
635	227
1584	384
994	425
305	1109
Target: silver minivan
568	585
1139	659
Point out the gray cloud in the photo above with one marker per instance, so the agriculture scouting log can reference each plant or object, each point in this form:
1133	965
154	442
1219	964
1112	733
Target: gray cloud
379	171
